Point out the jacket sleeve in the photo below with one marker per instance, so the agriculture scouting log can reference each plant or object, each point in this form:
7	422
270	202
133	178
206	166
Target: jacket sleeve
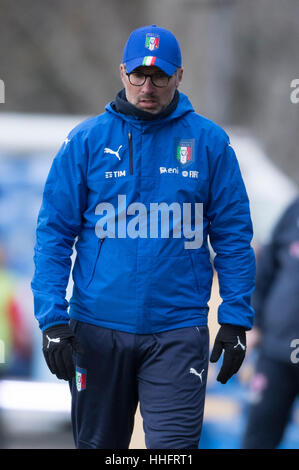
58	224
230	233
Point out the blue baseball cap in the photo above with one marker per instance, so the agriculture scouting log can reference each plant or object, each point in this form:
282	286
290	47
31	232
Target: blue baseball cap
151	45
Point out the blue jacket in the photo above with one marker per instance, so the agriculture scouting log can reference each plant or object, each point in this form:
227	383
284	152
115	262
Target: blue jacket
143	283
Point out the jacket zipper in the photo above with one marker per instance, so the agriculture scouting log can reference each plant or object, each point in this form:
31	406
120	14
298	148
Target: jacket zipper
96	262
130	152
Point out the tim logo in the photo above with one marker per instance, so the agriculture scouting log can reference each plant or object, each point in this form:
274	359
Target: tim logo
2	91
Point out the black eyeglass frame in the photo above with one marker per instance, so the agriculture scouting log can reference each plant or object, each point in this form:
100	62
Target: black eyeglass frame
145	77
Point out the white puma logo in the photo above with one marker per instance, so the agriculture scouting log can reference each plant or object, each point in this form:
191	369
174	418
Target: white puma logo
113	152
193	371
54	340
239	344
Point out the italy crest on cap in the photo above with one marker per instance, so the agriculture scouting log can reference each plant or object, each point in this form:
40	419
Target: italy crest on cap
184	151
81	379
152	41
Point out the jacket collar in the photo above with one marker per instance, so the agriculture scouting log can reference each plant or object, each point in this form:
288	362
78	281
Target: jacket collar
176	111
122	105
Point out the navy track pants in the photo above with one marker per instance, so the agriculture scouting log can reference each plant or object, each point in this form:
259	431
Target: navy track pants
166	372
274	388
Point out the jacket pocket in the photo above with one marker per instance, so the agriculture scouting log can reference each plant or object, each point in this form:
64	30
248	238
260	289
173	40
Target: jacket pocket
202	271
196	281
99	247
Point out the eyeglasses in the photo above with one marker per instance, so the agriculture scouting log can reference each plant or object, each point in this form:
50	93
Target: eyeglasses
158	79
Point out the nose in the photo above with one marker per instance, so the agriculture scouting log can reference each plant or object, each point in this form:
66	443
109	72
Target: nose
147	84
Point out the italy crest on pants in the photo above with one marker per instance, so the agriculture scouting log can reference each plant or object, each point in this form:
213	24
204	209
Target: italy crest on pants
81	379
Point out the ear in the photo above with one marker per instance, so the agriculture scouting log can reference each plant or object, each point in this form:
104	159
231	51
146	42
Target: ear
122	73
179	76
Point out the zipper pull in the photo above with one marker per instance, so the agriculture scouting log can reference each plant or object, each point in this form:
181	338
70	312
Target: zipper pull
130	152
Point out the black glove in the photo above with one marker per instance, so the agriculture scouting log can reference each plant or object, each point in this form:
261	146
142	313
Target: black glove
59	343
232	339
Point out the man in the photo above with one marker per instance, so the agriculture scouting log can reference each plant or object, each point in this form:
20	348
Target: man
138	328
275	384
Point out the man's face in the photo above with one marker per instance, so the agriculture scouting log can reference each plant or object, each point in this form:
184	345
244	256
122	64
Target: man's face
148	97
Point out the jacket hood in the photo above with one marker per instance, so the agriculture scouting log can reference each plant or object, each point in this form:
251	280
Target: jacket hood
183	107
